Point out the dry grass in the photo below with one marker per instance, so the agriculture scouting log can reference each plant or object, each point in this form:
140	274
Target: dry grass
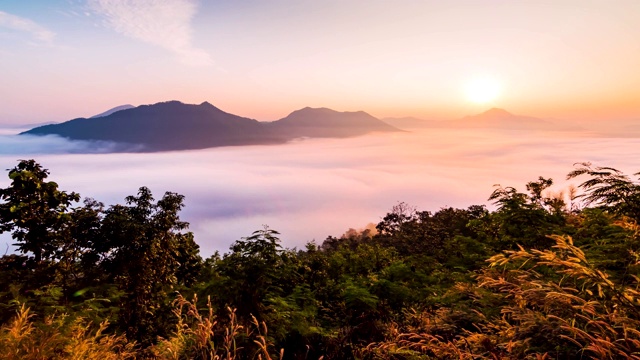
199	336
58	338
261	340
194	337
580	312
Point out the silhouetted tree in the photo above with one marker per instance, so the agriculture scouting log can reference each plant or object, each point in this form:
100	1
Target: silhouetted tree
609	188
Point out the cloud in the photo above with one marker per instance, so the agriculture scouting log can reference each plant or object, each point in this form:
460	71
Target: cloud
11	144
318	187
164	23
17	23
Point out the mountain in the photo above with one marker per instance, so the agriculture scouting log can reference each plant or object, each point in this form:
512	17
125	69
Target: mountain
111	111
491	119
501	119
173	125
168	125
323	122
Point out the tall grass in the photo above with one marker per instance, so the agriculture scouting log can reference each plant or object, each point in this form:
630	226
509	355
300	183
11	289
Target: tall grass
59	337
553	304
199	335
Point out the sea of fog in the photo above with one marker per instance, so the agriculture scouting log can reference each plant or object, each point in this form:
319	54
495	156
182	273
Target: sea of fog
313	188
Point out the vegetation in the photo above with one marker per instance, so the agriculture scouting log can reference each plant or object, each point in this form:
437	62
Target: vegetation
540	277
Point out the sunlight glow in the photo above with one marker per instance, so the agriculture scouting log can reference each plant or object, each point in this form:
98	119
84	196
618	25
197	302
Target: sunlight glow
482	90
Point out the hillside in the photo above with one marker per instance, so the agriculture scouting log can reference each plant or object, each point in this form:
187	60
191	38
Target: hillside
535	278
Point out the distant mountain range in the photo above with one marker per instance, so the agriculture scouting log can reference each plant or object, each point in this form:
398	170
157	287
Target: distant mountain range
173	125
491	119
501	119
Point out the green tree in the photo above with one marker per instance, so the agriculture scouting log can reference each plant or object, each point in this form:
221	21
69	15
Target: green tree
251	272
146	255
35	211
51	235
522	218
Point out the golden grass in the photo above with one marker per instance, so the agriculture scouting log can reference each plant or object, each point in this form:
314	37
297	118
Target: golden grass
60	338
583	312
196	334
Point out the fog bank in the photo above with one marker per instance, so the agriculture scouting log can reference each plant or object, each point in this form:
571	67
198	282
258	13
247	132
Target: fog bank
318	187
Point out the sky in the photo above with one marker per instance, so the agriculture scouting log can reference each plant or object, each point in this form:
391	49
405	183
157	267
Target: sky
569	61
563	59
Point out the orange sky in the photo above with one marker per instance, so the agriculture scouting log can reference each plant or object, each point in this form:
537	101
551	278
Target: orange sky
569	59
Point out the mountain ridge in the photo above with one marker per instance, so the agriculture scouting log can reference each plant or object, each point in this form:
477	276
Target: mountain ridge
173	125
493	118
500	118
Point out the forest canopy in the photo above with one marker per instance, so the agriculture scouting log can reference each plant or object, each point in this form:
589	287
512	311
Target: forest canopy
544	275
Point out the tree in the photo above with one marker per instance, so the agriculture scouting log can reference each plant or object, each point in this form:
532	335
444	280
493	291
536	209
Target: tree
393	222
536	188
35	211
522	218
609	188
146	254
252	270
413	232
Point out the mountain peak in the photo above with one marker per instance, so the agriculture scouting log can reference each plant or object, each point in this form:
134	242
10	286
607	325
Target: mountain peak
496	112
115	109
312	109
210	106
502	119
169	102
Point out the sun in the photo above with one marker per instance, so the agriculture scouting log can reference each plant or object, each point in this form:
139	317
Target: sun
482	89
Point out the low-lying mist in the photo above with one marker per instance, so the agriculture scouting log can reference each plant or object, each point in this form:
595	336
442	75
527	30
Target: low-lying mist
313	188
10	143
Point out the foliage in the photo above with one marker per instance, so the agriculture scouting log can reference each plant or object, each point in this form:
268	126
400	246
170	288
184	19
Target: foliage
199	336
541	316
251	272
34	210
120	264
147	257
60	337
609	188
538	277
